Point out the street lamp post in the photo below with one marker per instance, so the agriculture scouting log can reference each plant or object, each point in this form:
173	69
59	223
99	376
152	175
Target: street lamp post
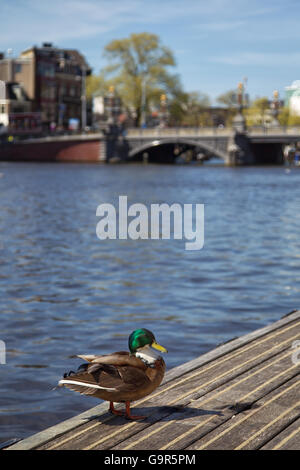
240	96
111	104
61	105
275	107
163	110
115	146
83	97
143	102
239	123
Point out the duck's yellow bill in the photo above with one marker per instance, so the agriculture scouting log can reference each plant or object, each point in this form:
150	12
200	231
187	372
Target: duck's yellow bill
159	347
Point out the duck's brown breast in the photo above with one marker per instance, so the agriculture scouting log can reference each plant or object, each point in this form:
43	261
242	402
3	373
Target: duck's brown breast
156	373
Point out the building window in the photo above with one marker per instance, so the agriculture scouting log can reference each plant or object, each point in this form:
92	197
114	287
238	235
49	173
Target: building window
62	90
2	109
48	90
17	68
46	69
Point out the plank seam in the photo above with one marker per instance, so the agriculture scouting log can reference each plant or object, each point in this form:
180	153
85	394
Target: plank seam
242	410
251	413
282	430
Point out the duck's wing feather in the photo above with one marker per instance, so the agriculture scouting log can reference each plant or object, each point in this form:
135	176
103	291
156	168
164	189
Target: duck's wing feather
92	378
120	358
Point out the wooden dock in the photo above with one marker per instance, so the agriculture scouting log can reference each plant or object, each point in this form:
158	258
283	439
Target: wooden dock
245	394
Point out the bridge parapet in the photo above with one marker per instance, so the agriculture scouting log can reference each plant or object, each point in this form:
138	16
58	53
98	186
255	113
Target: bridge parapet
178	132
274	130
211	131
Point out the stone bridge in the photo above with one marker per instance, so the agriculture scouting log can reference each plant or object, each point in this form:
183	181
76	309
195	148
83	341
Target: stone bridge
254	146
211	142
257	145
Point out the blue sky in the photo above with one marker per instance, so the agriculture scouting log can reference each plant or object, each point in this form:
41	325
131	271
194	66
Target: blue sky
216	43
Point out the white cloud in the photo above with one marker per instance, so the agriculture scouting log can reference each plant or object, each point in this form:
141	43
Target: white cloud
62	19
32	20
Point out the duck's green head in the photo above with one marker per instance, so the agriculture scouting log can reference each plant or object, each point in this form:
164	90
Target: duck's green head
141	338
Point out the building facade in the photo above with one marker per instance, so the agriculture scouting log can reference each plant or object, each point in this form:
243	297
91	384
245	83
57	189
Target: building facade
292	97
54	81
13	101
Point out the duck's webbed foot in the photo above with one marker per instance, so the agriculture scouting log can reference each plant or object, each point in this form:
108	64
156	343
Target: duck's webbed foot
114	411
128	414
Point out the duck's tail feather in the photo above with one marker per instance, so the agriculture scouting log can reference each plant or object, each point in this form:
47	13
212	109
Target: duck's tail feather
85	379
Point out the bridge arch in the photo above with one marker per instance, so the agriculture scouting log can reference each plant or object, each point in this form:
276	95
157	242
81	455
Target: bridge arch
173	141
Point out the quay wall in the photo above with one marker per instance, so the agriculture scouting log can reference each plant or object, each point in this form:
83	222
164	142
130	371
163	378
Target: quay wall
90	148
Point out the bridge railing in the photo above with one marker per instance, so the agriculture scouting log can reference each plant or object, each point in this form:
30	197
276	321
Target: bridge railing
274	130
178	132
209	131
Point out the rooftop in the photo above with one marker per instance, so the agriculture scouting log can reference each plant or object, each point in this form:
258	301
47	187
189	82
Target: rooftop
56	53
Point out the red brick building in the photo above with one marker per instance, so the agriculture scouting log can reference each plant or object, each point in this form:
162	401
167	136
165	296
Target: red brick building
53	79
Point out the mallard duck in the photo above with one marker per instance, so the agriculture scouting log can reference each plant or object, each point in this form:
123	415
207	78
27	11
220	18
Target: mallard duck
121	376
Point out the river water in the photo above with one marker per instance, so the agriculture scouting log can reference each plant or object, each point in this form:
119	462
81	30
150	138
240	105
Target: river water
65	292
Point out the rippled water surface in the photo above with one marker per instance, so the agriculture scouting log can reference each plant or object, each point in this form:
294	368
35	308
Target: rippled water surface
65	292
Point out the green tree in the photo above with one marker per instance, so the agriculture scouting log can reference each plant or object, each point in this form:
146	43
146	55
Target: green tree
190	109
177	107
196	110
229	101
262	105
96	84
258	112
285	118
294	120
139	69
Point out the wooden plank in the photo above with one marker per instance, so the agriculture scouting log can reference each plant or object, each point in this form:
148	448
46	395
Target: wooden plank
288	439
182	384
216	407
49	434
252	428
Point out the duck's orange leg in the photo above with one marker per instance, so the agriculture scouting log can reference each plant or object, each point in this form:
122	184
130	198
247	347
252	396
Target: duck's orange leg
114	411
128	413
